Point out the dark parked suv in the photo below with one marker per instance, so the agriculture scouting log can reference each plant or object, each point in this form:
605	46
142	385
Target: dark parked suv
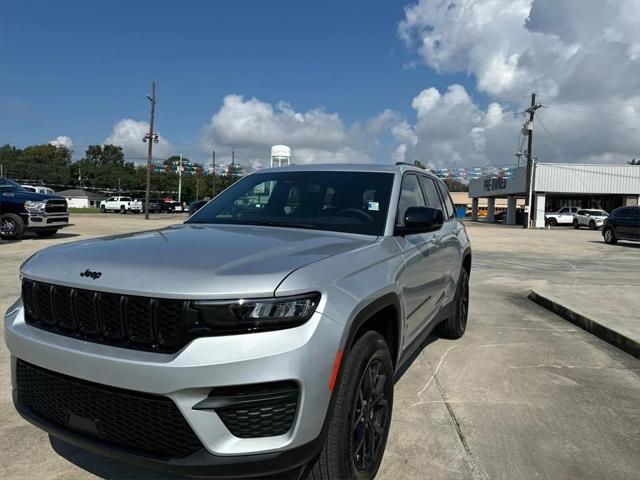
622	224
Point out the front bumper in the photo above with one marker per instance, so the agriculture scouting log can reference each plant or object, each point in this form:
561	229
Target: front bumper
47	220
304	354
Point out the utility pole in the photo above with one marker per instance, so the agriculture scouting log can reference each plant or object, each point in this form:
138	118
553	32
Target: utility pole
180	180
529	176
213	194
151	138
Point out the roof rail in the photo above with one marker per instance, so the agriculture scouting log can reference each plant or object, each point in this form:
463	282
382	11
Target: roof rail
405	163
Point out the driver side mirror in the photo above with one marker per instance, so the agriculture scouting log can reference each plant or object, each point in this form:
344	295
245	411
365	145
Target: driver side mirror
420	220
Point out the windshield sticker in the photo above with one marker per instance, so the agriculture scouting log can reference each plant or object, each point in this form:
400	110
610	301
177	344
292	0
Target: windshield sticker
374	206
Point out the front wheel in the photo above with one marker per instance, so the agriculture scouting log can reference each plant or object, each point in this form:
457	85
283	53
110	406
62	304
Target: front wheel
11	226
103	209
455	326
610	236
360	422
576	224
552	222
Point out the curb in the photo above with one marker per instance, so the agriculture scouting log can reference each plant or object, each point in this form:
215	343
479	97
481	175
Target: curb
627	344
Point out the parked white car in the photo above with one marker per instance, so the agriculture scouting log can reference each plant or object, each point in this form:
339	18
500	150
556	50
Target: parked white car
589	218
38	189
564	216
120	204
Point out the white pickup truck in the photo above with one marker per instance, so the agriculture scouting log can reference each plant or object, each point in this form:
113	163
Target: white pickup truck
120	204
564	216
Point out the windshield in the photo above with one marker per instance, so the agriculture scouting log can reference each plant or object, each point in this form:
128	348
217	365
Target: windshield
352	202
7	185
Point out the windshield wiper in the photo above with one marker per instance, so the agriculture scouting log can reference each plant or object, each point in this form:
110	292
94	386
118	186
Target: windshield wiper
284	224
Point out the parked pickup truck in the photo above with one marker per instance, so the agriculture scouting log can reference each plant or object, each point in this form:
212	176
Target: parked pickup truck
120	204
564	216
21	211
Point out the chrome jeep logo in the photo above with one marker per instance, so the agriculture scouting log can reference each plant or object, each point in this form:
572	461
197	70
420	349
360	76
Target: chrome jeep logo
90	274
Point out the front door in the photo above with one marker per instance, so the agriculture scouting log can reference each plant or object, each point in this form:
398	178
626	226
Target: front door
422	279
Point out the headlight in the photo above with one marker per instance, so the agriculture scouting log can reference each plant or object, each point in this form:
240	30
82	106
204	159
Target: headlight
36	206
245	316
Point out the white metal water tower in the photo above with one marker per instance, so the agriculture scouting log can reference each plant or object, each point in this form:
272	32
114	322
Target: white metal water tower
280	155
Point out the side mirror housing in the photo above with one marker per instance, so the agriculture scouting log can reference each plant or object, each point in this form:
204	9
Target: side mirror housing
420	220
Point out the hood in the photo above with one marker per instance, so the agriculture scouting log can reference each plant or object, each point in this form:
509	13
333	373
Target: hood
189	261
36	197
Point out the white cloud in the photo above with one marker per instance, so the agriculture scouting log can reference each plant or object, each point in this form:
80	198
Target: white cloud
582	58
62	141
250	127
128	133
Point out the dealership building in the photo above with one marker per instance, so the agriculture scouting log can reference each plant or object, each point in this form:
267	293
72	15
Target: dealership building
556	185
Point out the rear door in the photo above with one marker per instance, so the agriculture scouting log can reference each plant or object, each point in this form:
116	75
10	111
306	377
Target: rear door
422	280
449	244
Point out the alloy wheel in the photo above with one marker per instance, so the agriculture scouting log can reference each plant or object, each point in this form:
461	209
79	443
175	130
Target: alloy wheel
8	227
370	416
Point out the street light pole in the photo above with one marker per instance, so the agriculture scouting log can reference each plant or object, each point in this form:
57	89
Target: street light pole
151	138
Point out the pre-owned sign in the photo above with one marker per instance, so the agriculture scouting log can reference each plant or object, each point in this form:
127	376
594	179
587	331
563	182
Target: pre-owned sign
496	183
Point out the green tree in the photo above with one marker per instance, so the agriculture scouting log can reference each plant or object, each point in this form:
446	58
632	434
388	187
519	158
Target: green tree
418	164
455	185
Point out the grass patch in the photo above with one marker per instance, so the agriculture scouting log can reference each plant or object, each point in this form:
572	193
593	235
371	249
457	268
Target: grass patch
84	210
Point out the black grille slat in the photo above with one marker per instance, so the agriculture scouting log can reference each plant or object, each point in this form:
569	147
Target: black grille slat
148	424
140	326
63	307
134	322
111	315
86	317
43	303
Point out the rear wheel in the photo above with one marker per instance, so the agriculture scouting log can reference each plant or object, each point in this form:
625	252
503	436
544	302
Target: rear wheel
455	326
576	224
103	209
610	236
361	417
123	210
592	225
11	226
47	233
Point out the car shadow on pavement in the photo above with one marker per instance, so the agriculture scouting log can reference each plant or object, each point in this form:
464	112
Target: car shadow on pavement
105	467
621	243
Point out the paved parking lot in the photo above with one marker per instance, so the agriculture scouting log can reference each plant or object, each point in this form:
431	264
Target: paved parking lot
524	394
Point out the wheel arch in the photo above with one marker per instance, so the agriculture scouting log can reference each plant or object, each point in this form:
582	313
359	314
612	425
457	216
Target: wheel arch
382	315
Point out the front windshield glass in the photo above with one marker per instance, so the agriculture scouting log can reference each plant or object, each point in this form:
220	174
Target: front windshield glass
7	185
352	202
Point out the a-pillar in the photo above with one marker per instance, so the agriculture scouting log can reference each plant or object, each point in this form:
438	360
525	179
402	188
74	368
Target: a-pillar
539	213
511	210
491	204
474	209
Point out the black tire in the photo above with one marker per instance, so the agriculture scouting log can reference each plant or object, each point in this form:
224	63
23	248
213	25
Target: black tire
552	222
123	210
353	419
455	326
11	226
592	225
103	209
576	225
47	233
610	236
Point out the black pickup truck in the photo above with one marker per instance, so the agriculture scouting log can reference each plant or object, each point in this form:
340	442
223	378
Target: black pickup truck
21	211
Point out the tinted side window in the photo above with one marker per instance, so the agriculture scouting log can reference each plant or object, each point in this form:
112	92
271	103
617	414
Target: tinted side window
449	211
634	213
582	212
410	196
431	193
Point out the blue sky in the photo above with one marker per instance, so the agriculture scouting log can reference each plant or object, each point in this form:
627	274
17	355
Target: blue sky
75	68
356	81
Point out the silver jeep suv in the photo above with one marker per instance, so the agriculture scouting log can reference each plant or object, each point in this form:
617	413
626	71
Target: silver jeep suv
261	336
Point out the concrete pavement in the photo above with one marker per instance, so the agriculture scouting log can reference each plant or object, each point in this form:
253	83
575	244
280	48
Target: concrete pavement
524	394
